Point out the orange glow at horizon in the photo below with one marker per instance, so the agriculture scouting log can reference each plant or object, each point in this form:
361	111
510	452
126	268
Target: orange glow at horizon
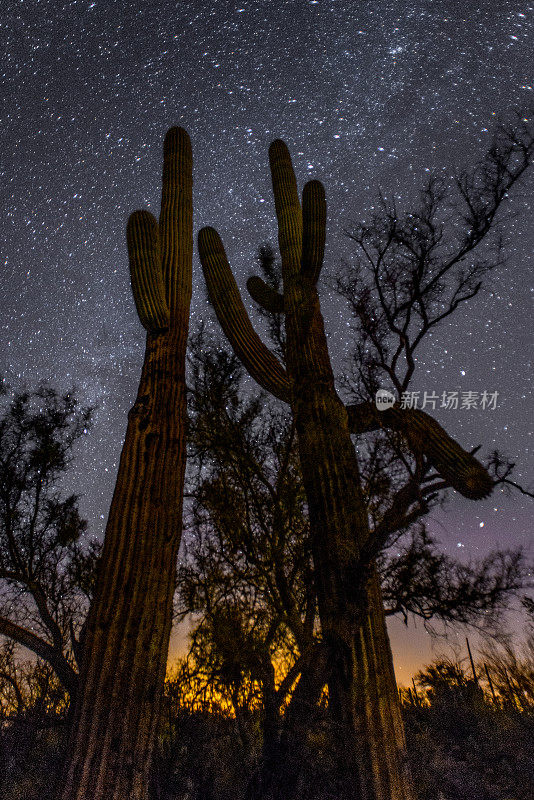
413	647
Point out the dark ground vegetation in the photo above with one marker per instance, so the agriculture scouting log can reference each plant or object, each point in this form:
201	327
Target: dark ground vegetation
464	744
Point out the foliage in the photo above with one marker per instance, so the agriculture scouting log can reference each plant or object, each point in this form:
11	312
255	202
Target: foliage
463	745
420	580
33	705
246	570
43	560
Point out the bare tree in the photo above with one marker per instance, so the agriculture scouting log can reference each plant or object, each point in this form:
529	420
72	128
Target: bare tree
411	271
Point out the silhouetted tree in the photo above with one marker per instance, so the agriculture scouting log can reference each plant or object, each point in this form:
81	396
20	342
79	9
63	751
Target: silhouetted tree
42	604
418	579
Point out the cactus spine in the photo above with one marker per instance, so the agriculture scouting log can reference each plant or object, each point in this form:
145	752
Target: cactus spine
362	688
125	650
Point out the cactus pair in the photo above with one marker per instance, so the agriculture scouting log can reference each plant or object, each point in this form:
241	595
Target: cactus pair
123	667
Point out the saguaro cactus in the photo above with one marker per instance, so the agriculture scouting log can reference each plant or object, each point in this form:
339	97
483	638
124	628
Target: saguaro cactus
362	684
126	643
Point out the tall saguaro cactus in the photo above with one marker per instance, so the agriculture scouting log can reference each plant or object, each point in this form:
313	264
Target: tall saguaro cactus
363	691
128	629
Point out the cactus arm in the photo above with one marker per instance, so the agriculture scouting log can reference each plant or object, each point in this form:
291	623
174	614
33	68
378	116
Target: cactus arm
313	229
287	206
176	227
458	467
265	296
260	362
148	288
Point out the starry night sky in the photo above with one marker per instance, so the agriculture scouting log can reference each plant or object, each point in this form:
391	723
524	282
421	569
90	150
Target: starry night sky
366	95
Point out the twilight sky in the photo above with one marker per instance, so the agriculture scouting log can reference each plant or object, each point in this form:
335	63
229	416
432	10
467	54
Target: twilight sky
367	95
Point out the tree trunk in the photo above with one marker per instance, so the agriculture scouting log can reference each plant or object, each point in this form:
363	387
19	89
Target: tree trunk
282	770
